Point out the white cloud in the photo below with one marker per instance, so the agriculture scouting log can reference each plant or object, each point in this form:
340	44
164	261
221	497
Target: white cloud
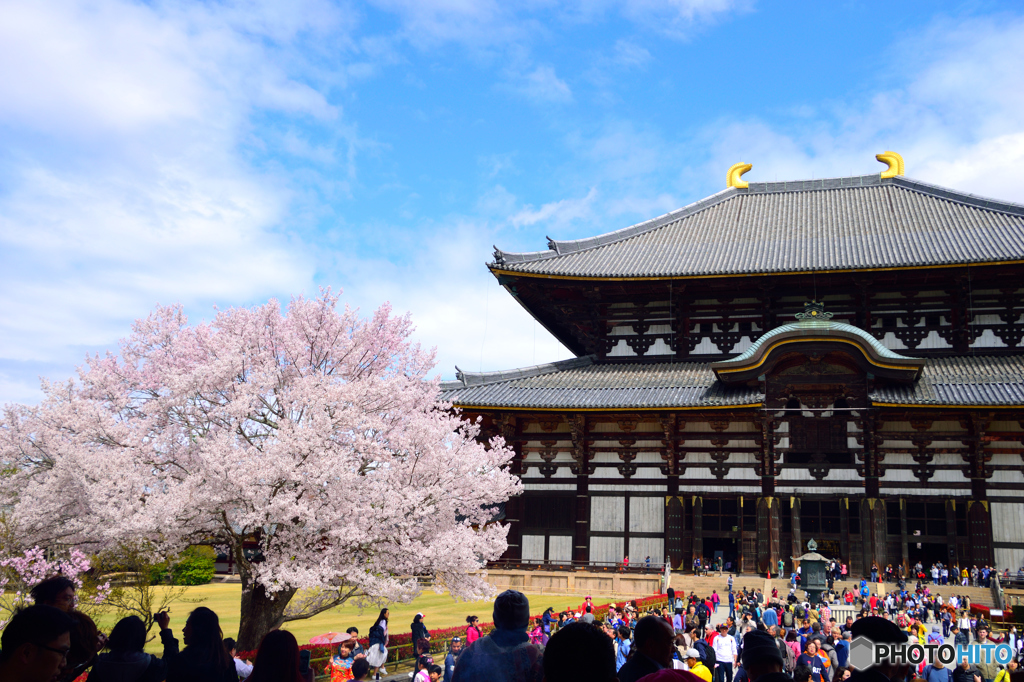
124	182
556	213
541	85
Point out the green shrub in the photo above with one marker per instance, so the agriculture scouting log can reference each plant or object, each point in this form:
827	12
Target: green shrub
158	574
195	566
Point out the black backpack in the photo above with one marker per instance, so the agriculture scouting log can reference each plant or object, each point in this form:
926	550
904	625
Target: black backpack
707	653
702	611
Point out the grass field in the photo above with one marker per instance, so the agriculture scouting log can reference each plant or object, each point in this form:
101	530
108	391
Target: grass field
440	611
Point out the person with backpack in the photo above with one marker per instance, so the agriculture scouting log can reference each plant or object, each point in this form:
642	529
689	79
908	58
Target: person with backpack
702	617
788	657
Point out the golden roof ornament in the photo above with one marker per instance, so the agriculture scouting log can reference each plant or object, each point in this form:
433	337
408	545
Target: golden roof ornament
813	310
732	178
894	161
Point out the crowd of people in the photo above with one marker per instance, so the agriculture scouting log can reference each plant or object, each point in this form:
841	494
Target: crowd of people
764	638
52	641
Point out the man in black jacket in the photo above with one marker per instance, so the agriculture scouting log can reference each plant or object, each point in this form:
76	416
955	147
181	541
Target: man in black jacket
762	660
653	644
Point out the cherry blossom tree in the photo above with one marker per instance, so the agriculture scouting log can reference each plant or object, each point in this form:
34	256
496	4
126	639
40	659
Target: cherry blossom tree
312	436
20	572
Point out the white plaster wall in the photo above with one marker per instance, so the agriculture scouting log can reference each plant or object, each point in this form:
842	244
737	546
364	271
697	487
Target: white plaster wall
560	548
608	514
607	549
1007	522
641	548
646	514
533	548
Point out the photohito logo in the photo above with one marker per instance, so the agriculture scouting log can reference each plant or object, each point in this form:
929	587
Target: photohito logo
864	653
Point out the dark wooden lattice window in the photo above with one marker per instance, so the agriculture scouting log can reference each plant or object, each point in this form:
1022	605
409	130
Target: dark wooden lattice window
548	513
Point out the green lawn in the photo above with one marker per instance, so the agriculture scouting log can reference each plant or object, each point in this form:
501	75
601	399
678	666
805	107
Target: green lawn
439	610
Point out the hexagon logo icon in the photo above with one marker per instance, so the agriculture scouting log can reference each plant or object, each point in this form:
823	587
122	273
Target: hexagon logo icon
862	653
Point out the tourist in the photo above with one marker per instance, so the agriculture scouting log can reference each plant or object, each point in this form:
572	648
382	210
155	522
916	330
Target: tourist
547	620
360	670
277	659
505	655
339	667
204	658
880	631
420	636
357	650
454	649
622	647
86	642
472	629
726	653
423	665
988	669
762	659
243	668
802	674
56	591
965	673
536	633
580	652
653	644
1005	673
937	672
126	661
812	660
588	617
696	666
435	672
35	644
378	641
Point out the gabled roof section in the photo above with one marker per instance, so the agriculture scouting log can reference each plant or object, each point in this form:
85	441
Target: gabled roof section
996	381
816	327
580	384
862	222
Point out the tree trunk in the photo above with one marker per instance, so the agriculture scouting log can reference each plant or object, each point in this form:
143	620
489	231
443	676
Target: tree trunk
261	612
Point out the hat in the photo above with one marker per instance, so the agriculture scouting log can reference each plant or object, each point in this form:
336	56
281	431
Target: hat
692	653
456	639
511	610
760	647
878	630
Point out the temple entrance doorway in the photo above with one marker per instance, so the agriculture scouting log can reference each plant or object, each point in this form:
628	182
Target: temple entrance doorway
727	548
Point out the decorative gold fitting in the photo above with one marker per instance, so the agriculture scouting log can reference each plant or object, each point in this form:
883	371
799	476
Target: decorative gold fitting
894	161
732	178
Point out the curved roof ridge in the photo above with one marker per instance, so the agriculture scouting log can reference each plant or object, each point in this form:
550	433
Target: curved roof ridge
558	248
464	379
824	325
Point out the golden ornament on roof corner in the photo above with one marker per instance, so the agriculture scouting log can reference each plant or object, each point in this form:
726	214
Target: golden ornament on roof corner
895	162
732	178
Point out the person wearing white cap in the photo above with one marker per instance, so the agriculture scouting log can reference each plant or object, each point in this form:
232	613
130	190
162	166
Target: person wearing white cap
696	665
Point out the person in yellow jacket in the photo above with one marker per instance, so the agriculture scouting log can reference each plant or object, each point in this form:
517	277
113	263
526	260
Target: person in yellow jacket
696	665
1004	674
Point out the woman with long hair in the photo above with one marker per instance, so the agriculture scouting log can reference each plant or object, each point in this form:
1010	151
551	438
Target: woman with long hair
126	661
378	641
204	658
472	629
277	659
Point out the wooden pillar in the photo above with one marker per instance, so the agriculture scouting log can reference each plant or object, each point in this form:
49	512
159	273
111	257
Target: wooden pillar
739	534
582	468
873	532
768	526
904	539
698	529
796	543
844	530
951	534
514	506
674	526
979	515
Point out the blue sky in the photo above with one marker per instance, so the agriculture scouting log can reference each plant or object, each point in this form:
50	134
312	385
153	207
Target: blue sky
225	153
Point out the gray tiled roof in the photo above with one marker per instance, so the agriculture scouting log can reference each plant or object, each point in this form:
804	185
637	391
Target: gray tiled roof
580	383
830	224
977	380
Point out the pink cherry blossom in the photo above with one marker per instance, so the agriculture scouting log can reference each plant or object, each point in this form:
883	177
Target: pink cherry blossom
313	436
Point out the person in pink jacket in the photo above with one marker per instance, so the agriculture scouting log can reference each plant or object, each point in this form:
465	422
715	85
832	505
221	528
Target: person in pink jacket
472	629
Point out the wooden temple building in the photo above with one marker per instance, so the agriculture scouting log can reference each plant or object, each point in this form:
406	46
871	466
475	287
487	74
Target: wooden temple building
837	359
